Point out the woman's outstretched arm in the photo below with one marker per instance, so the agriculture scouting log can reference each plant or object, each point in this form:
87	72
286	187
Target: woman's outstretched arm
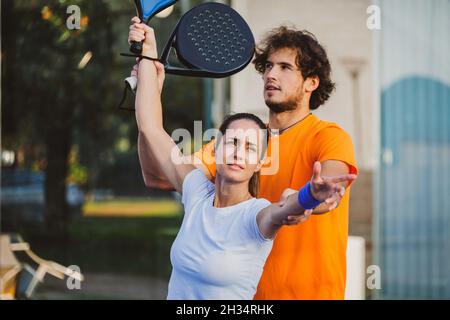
149	115
295	207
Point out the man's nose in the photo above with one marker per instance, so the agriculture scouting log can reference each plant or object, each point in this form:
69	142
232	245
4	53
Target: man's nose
271	74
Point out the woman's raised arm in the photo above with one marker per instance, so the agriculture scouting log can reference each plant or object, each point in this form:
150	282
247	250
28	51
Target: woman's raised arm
149	113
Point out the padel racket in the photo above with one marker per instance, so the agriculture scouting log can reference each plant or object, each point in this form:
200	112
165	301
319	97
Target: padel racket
147	9
211	40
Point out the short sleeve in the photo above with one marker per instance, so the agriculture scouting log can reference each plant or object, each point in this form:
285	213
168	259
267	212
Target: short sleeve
251	222
333	143
206	155
195	187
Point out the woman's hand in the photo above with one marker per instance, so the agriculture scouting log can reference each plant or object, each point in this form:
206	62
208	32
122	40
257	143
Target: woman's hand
289	210
142	32
139	32
293	219
297	219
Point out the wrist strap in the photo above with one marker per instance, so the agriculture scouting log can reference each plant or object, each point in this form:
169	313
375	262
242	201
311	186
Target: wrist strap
127	85
124	98
139	56
306	198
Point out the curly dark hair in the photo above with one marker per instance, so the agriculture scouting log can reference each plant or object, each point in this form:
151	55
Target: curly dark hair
312	59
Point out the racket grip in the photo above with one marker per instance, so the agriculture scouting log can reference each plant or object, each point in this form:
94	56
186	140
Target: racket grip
136	47
132	83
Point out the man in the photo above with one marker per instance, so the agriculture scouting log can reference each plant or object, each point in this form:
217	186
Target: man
308	261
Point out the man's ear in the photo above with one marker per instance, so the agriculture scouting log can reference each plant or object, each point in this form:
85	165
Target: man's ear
311	83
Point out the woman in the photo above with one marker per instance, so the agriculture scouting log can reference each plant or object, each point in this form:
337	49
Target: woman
227	233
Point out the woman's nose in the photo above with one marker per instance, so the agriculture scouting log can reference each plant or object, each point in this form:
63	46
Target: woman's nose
239	153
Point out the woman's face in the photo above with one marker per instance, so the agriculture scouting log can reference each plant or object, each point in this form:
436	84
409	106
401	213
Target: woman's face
238	154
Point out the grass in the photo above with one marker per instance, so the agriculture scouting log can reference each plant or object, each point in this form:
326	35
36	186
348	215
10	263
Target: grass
117	236
123	245
130	208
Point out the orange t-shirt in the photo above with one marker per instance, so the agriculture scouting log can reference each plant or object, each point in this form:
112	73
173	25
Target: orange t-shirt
308	261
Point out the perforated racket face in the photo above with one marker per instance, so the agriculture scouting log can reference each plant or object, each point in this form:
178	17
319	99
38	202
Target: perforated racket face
215	38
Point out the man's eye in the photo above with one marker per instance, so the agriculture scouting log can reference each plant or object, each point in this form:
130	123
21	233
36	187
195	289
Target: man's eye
268	66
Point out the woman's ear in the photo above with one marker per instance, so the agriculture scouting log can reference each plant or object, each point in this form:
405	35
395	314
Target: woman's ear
260	164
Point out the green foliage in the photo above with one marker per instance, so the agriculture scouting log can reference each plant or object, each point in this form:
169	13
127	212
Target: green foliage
48	97
77	173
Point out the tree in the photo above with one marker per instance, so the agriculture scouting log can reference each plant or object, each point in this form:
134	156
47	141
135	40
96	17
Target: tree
47	93
50	103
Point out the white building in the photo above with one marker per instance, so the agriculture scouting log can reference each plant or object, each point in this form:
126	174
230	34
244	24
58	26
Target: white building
393	98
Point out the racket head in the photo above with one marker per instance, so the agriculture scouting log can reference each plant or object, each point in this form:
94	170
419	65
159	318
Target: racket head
146	9
214	41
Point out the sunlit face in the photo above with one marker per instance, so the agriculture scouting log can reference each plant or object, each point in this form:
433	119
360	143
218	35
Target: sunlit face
283	81
238	155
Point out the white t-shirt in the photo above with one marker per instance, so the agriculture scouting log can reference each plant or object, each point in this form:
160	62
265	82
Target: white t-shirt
219	253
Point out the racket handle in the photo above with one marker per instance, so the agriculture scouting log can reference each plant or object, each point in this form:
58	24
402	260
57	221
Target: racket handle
136	47
132	83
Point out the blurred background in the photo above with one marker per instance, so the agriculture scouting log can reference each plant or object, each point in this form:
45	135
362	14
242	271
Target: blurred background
71	183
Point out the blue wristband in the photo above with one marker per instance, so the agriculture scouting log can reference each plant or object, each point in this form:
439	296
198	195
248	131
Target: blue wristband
306	199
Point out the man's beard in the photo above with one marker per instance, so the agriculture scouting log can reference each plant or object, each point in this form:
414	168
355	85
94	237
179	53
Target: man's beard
280	107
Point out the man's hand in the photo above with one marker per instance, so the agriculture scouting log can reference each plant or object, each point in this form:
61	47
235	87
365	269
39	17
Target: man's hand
328	189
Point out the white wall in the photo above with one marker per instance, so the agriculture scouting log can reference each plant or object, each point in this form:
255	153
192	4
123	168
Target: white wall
355	287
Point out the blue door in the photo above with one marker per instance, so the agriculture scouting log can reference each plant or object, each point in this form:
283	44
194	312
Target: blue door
413	211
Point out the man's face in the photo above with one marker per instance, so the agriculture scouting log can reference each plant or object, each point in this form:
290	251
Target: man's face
283	81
